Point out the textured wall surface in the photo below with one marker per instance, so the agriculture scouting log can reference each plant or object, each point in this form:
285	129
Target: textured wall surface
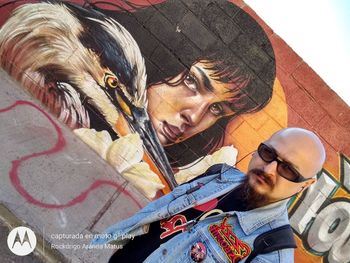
56	184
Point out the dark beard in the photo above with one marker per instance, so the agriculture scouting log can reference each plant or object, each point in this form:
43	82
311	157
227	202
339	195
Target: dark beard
250	197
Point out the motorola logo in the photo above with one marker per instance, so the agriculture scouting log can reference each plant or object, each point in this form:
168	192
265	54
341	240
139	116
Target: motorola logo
21	241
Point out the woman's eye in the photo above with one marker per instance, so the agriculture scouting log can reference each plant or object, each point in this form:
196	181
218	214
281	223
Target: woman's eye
216	109
191	82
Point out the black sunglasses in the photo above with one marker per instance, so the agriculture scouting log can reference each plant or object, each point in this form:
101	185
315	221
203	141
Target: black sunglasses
285	169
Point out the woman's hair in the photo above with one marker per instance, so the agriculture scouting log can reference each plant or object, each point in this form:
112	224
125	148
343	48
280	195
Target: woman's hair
174	35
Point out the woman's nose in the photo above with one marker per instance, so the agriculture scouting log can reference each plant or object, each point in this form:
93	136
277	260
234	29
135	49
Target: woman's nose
194	114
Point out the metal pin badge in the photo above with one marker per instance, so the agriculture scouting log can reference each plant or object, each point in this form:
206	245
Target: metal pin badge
198	252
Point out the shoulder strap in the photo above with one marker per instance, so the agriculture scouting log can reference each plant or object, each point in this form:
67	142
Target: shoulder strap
275	239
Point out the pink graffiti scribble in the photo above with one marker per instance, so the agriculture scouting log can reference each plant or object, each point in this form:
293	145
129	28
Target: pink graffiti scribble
60	144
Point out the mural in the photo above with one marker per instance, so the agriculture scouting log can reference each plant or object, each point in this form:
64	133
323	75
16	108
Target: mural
161	95
102	82
89	71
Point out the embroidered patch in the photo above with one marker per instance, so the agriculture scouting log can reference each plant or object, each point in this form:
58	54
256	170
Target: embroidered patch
175	224
234	248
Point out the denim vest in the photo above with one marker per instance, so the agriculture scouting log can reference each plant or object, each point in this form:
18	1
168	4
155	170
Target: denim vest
240	227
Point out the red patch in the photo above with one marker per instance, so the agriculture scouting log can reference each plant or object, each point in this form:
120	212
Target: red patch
207	206
234	248
175	224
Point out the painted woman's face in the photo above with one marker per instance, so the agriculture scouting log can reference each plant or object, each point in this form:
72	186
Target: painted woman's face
180	111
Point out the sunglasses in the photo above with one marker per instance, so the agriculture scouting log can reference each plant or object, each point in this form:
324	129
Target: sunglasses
285	169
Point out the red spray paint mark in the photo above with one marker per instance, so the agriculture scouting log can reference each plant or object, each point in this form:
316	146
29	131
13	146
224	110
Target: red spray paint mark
61	142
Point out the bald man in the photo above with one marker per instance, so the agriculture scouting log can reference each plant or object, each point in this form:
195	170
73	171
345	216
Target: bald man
225	215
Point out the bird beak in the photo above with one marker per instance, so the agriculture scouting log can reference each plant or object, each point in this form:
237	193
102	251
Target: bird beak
143	126
139	121
124	106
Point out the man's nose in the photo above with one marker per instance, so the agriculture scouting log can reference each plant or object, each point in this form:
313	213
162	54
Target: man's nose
271	168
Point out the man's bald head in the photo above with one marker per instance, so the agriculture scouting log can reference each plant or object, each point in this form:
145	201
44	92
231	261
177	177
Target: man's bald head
302	148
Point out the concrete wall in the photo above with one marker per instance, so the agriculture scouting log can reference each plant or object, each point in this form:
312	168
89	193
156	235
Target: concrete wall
169	36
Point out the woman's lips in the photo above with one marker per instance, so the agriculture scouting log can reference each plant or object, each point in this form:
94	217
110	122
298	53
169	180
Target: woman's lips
172	133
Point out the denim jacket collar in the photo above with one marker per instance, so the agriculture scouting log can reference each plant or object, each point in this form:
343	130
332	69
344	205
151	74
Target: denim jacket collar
227	175
254	219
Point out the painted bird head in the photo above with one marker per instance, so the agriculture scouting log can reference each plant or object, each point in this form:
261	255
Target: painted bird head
85	67
73	60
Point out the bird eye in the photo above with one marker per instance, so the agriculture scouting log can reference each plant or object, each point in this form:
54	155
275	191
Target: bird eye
111	81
